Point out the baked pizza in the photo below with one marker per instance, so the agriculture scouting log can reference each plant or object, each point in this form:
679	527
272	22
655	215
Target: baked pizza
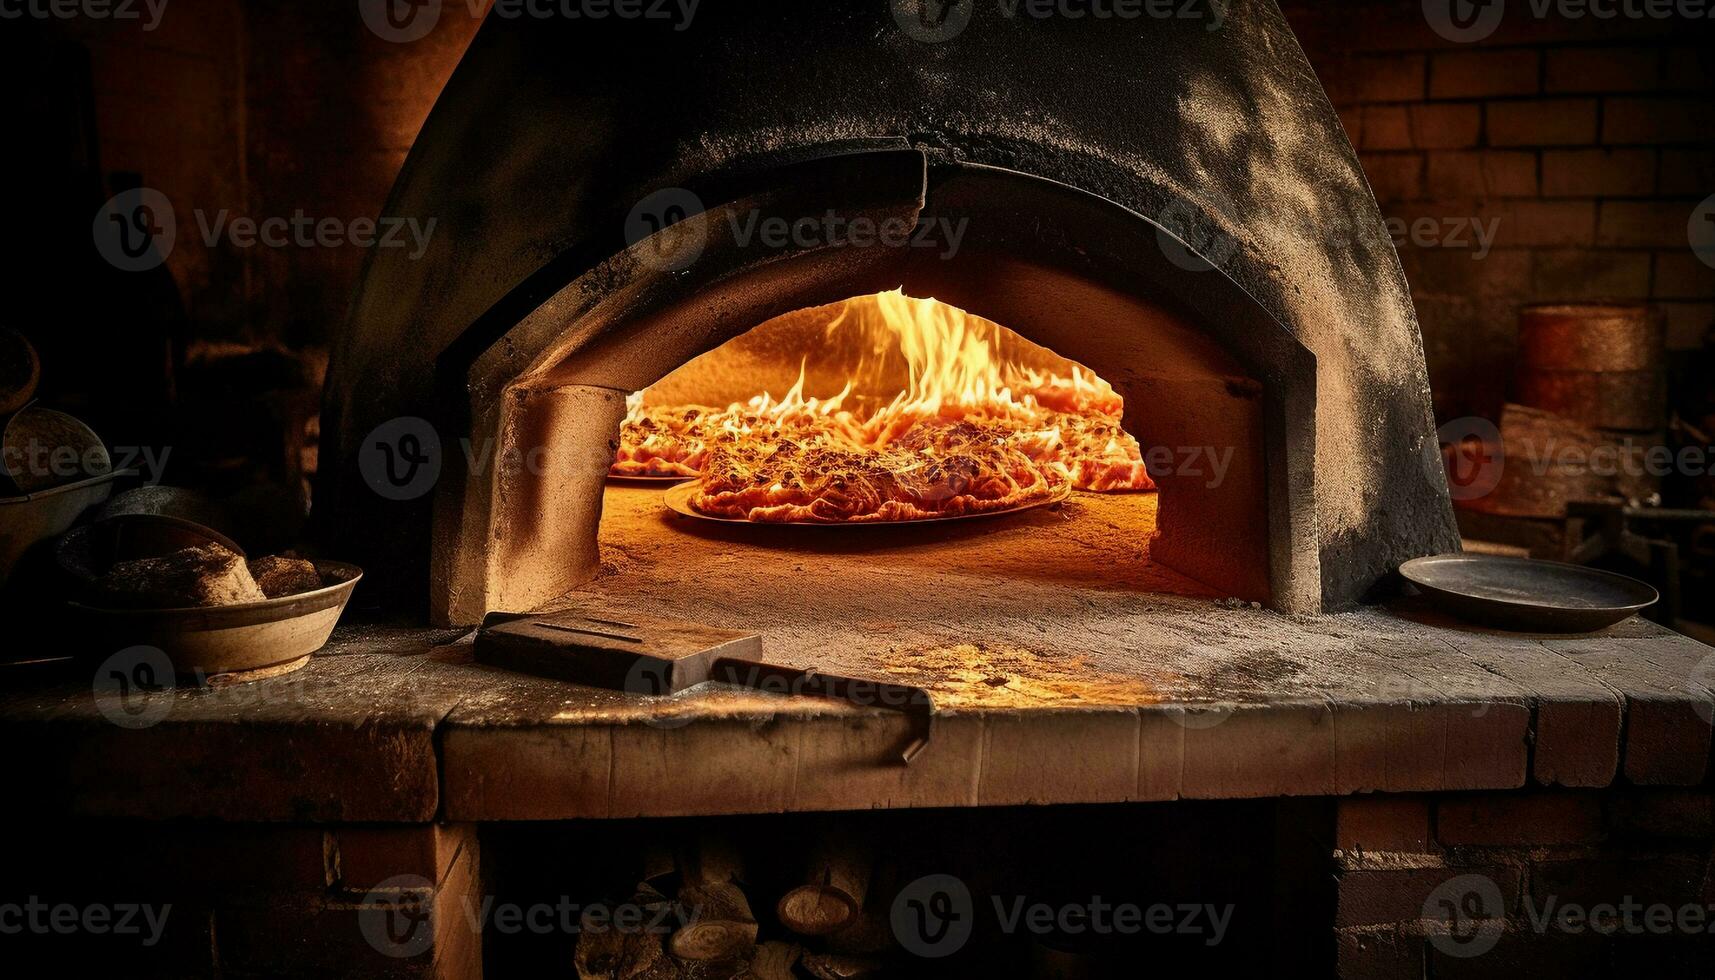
940	473
676	441
941	414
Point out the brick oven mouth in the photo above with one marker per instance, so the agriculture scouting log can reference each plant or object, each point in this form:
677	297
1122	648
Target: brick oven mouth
1215	393
862	372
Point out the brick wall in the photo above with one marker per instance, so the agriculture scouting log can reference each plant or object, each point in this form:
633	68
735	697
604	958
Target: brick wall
262	109
1561	883
1589	141
169	107
333	109
183	900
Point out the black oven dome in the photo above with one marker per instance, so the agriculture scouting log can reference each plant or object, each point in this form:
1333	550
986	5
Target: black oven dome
552	130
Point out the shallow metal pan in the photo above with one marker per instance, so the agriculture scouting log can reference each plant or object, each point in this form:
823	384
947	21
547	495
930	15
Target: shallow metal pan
678	500
645	480
1528	595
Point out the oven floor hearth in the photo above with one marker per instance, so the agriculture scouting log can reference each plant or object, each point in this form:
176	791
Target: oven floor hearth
1014	610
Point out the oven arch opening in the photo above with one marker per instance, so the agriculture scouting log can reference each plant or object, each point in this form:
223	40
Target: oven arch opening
1202	369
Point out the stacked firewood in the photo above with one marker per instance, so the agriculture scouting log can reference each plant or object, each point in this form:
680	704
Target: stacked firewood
823	927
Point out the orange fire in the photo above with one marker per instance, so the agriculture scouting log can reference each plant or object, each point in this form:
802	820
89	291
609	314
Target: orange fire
909	363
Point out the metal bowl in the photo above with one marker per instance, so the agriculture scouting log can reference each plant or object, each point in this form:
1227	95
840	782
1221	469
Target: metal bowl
35	432
36	517
224	639
1526	594
20	371
164	501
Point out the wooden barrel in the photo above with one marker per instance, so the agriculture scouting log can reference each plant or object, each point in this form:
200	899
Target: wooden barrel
1595	363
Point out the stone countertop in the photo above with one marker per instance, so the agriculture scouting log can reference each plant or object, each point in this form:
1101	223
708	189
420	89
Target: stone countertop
1189	699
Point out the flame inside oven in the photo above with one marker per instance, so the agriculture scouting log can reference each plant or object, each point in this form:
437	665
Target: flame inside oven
913	388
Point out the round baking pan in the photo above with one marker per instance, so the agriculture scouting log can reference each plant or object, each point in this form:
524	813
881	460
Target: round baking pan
1527	595
678	500
665	480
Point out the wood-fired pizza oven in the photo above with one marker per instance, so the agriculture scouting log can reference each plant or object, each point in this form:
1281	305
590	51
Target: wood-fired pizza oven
1210	247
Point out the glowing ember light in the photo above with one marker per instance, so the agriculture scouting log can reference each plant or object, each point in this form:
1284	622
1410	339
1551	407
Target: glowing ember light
946	373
